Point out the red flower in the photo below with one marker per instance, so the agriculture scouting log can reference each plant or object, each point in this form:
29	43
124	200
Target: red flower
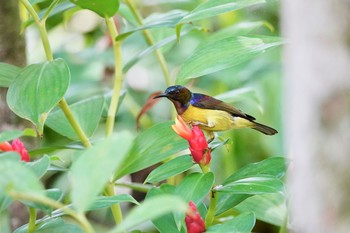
193	220
17	146
198	143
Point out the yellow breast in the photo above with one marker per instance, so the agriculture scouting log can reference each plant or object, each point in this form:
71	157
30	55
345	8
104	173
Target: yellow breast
213	120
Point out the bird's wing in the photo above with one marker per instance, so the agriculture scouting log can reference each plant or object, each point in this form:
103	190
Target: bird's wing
204	101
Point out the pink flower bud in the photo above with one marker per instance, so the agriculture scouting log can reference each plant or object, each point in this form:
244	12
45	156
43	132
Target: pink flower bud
193	220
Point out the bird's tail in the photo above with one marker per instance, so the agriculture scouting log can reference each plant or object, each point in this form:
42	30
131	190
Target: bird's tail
264	129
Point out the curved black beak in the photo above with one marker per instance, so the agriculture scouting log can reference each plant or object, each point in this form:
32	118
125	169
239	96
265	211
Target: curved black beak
160	96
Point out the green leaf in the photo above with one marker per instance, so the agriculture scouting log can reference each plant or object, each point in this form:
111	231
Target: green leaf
103	201
273	166
33	2
238	29
87	112
257	178
194	187
165	223
227	201
158	20
105	8
17	177
151	49
215	7
169	169
151	208
101	161
40	166
270	208
13	134
225	53
37	90
56	225
11	155
8	74
254	185
150	147
242	223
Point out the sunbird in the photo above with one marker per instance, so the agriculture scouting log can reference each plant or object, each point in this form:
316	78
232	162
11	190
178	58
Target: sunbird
210	114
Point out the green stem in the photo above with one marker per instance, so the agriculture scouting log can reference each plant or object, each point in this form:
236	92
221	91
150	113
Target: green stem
212	207
32	219
77	128
118	76
79	217
205	168
50	8
284	227
115	208
42	29
150	41
49	56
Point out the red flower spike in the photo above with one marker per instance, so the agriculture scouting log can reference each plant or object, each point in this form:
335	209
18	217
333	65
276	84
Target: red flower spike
17	146
198	143
193	220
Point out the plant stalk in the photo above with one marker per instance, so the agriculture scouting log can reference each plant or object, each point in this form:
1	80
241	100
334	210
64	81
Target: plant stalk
150	41
79	217
212	207
32	219
74	123
115	208
118	76
49	56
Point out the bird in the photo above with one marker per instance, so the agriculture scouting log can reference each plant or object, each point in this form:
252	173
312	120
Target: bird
210	114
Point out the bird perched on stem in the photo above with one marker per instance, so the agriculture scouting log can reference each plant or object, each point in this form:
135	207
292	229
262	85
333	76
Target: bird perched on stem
210	114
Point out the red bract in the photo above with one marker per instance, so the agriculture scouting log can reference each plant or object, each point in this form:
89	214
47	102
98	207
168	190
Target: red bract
17	146
193	220
198	143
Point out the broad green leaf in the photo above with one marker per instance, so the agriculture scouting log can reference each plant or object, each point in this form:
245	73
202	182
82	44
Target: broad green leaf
17	177
254	185
13	156
33	2
215	7
8	74
87	112
13	134
150	147
158	20
225	53
165	223
227	201
95	166
270	208
242	223
150	209
40	166
103	201
273	166
169	169
37	90
105	8
238	29
56	225
151	49
194	187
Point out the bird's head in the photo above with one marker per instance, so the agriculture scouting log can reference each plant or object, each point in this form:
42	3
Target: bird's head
178	94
